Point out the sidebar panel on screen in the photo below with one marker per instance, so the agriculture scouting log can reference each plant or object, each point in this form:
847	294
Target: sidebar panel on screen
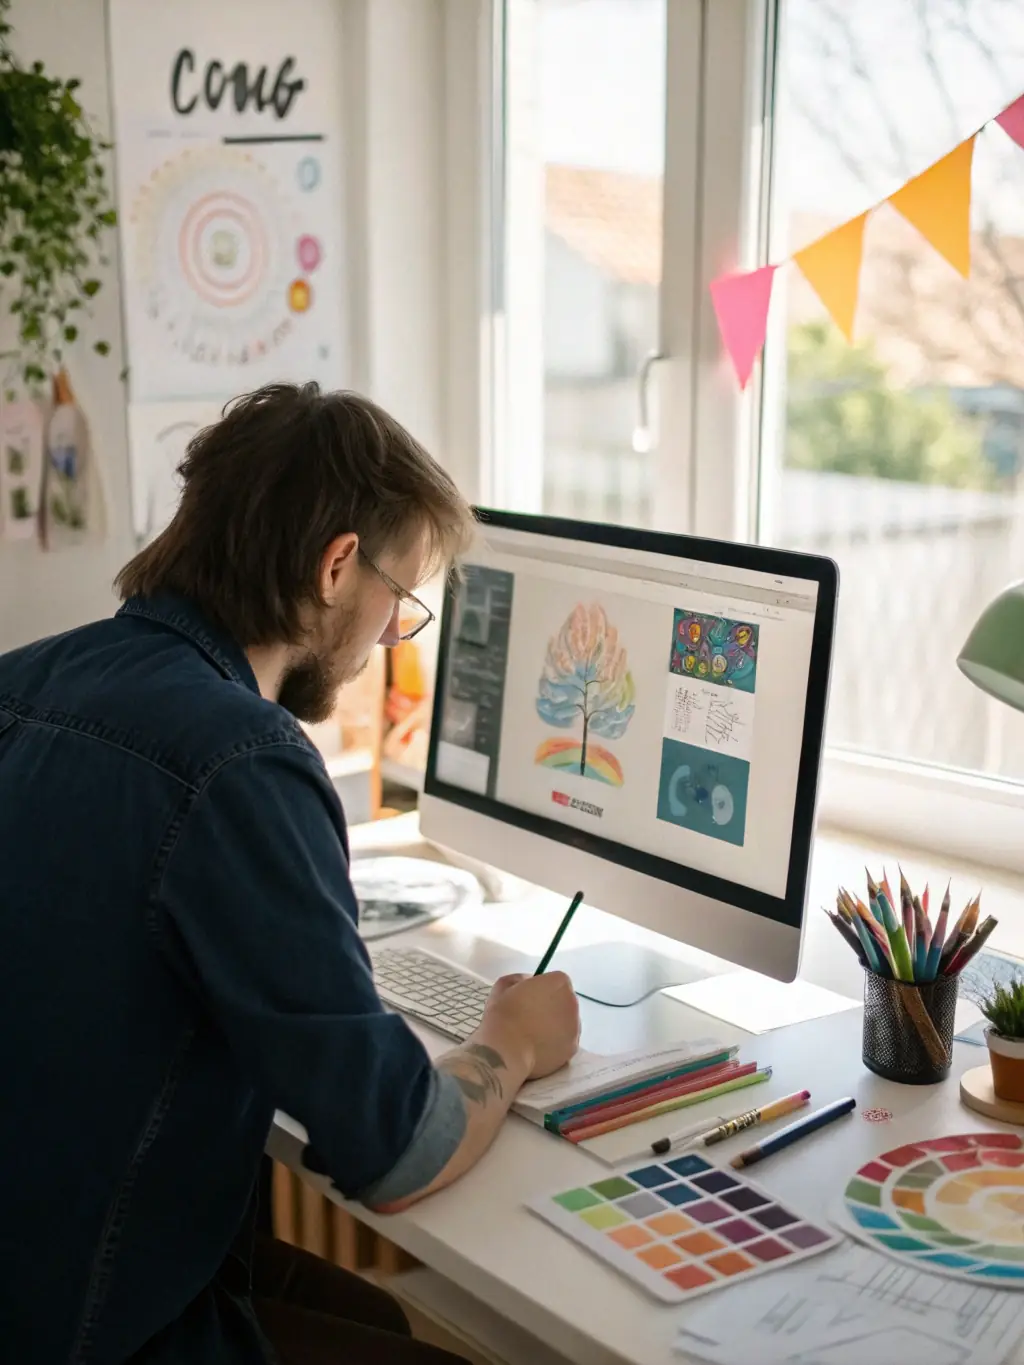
467	750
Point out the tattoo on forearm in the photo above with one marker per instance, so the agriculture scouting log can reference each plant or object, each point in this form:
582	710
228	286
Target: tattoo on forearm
476	1069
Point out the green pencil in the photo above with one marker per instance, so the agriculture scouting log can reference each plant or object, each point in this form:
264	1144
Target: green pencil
553	945
897	936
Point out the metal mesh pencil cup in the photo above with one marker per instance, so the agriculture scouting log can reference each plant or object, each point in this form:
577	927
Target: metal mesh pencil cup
908	1030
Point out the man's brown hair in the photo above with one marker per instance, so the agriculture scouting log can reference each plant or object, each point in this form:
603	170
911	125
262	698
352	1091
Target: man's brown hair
267	488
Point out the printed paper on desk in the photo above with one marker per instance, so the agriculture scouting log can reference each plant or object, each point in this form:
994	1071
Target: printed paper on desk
851	1306
589	1075
757	1004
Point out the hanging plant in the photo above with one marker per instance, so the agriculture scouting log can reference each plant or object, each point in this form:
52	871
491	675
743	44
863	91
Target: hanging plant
54	210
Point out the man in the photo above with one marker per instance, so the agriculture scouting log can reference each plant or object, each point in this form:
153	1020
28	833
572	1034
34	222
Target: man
178	948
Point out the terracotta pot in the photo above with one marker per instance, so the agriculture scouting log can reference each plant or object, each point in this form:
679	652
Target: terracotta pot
1007	1058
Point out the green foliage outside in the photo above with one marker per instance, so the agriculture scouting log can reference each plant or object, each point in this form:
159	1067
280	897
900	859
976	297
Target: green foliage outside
843	417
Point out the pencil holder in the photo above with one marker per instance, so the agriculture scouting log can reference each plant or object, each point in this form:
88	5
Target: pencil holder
908	1030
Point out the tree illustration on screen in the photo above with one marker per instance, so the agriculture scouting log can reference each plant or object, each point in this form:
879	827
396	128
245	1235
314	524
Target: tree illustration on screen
586	682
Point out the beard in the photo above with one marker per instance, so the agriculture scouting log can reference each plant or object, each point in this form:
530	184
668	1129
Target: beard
309	688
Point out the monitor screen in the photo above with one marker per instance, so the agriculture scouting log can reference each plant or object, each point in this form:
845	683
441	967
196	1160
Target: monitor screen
656	700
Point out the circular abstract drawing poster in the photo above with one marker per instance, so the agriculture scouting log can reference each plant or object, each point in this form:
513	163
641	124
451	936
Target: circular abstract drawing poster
952	1204
226	271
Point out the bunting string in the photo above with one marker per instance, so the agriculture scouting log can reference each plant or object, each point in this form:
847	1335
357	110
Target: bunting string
937	203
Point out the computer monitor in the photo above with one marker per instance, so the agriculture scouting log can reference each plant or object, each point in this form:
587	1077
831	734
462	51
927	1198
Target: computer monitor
640	716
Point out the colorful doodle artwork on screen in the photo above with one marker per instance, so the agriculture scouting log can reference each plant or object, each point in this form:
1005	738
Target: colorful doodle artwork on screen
585	687
714	649
703	791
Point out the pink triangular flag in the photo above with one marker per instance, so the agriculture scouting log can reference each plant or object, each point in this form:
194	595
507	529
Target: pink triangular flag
1011	120
741	307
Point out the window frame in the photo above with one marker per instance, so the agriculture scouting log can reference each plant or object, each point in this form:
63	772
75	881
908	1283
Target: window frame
708	452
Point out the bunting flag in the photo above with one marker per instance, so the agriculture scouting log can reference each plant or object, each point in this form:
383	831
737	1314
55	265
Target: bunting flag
831	266
1011	121
741	306
937	203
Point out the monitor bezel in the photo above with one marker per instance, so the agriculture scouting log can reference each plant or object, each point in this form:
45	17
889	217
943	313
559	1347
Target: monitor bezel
786	910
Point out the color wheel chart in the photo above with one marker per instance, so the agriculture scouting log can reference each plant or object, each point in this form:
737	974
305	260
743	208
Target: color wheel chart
683	1227
951	1204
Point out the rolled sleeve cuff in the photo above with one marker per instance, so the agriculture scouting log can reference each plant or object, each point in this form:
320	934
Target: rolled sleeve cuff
436	1140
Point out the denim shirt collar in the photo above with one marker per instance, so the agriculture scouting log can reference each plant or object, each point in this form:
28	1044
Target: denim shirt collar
184	617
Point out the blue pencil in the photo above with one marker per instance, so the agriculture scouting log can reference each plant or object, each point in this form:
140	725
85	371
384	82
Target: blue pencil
871	953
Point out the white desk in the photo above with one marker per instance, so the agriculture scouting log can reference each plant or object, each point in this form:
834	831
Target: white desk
479	1235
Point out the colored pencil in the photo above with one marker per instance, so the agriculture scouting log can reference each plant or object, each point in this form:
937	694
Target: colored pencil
553	945
931	970
896	934
924	900
650	1085
793	1133
690	1085
976	943
847	931
879	938
873	954
963	929
873	897
907	912
667	1106
922	940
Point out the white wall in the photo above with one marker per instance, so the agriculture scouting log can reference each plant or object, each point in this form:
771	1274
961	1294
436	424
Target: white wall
43	593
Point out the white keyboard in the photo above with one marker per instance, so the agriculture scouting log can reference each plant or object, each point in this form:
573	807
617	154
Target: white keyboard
414	982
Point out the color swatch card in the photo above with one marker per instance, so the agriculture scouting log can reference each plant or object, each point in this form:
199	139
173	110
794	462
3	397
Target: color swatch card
682	1227
952	1204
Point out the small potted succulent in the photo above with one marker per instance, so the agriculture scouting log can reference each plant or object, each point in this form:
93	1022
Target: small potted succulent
1003	1007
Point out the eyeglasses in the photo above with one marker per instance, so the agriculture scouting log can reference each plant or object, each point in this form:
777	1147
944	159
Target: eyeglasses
413	615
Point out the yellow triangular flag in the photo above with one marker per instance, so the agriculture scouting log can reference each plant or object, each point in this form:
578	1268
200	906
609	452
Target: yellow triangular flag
938	203
831	266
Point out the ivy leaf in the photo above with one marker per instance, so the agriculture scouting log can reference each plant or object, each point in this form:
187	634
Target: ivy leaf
102	348
70	333
91	288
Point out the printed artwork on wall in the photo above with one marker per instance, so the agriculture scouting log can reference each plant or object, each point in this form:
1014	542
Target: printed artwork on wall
585	687
229	189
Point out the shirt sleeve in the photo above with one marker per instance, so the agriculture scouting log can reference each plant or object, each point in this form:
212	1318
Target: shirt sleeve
259	915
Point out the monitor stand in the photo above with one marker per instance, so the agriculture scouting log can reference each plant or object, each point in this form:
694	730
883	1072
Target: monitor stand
622	974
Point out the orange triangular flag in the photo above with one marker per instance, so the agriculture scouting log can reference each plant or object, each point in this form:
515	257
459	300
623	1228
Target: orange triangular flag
938	203
831	266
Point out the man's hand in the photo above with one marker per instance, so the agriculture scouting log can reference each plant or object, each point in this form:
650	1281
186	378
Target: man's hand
536	1018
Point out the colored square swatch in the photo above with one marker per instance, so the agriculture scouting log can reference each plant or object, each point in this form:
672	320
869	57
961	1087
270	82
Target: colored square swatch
688	1165
744	1199
641	1205
604	1216
613	1188
669	1224
768	1249
708	1212
651	1176
804	1236
659	1256
700	1243
679	1194
773	1217
730	1263
689	1277
630	1237
574	1200
738	1230
715	1182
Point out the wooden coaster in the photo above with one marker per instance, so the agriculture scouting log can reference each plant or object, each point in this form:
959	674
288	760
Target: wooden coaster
977	1093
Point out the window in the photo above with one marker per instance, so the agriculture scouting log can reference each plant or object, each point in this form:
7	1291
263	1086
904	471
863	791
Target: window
584	124
901	455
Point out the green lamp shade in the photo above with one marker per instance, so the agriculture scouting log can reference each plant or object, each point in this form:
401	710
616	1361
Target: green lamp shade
993	657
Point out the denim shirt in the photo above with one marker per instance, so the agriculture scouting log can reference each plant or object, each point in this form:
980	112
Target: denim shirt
178	957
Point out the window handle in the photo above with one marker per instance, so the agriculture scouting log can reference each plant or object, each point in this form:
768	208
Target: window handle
642	431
